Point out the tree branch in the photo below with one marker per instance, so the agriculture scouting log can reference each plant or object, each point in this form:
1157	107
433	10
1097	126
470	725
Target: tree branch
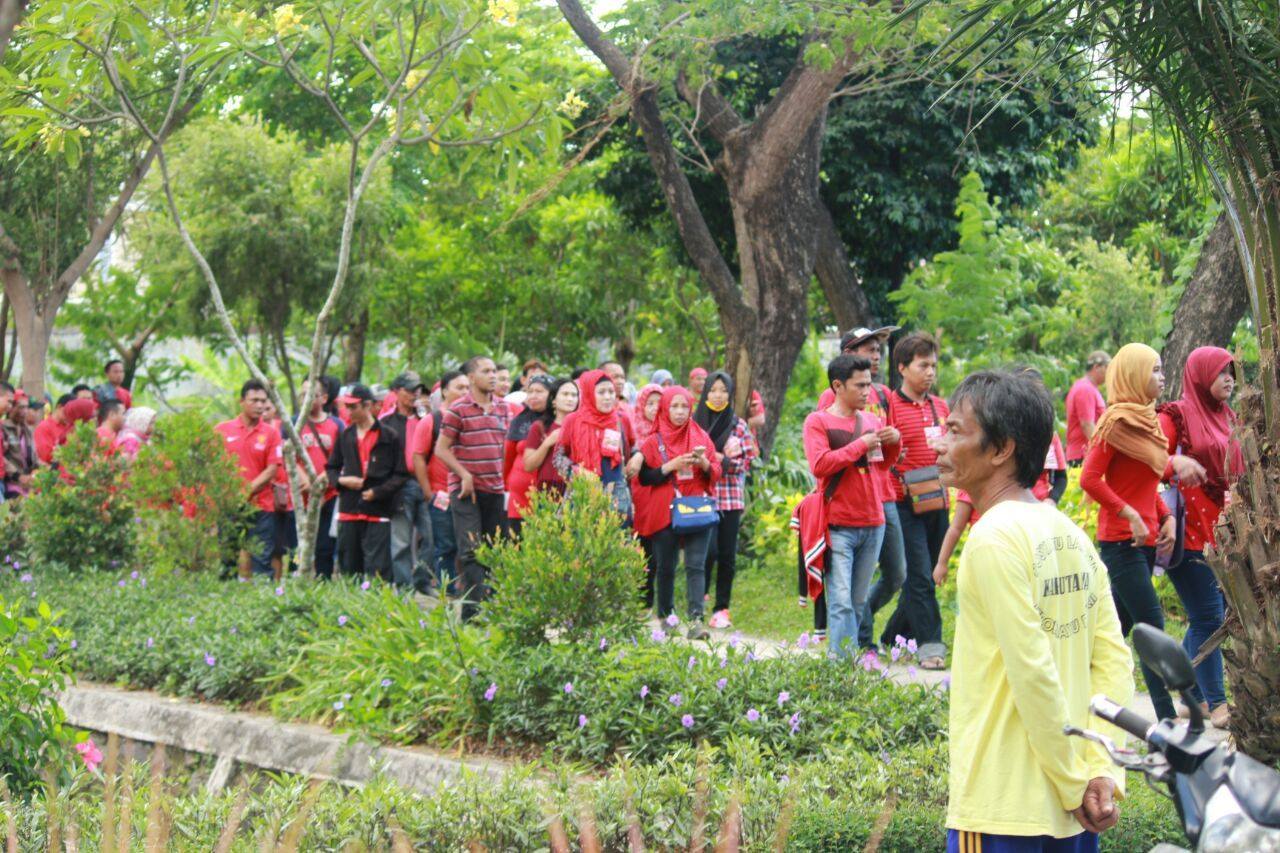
718	115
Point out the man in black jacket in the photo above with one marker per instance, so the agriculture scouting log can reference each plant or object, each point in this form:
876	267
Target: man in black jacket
368	466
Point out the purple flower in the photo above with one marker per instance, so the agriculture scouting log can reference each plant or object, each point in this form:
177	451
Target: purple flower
693	661
885	757
241	579
151	641
338	706
784	779
687	721
582	721
120	583
191	620
604	644
657	635
342	620
946	682
795	722
673	620
210	660
235	630
720	685
751	657
752	715
490	692
802	642
783	698
422	623
386	682
735	639
895	653
911	672
911	646
676	699
644	690
899	640
724	662
142	583
137	519
568	687
621	654
870	661
74	644
134	574
279	590
364	585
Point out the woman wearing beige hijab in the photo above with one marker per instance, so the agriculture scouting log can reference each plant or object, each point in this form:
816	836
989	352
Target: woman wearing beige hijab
1128	457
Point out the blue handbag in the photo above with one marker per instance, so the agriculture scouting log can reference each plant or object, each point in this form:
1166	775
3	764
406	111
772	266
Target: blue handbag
690	513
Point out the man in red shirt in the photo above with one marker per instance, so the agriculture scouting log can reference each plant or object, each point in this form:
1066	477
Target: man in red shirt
919	417
253	443
110	422
433	480
368	466
53	432
319	437
1084	406
113	388
411	523
846	447
472	438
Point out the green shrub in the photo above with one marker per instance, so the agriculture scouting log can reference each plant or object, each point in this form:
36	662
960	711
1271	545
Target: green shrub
33	668
191	503
82	518
573	572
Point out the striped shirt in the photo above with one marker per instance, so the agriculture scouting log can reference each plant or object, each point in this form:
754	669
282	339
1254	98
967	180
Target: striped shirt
915	421
477	438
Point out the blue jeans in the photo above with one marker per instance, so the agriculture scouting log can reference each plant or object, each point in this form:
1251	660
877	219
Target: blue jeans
854	551
411	520
1202	598
893	571
261	542
445	545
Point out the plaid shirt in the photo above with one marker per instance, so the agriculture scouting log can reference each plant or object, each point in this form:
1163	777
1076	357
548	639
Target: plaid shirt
731	488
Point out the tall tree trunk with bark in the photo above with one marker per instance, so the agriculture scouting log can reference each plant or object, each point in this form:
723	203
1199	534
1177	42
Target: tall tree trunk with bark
10	14
769	166
1212	305
353	342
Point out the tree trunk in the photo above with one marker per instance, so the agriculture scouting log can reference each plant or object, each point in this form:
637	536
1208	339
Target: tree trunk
845	297
5	367
1215	300
353	348
33	321
10	14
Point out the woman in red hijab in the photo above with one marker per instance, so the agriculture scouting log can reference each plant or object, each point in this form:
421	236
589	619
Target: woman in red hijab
679	455
597	439
644	416
1200	423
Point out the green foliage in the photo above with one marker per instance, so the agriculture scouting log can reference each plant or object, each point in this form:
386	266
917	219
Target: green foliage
79	515
574	572
190	499
33	668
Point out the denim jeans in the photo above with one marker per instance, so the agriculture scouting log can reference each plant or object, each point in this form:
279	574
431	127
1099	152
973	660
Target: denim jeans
1205	606
853	558
261	542
1136	602
666	547
410	519
893	571
917	614
445	545
475	521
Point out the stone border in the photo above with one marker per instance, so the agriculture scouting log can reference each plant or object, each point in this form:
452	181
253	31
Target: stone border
259	741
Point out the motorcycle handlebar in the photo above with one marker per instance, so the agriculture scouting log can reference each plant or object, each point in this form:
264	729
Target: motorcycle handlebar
1130	722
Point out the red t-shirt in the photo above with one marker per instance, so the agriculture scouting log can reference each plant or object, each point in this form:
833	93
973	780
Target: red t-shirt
915	421
547	475
1084	403
519	481
858	500
437	471
106	436
49	435
254	448
1114	481
124	396
364	447
1055	460
319	438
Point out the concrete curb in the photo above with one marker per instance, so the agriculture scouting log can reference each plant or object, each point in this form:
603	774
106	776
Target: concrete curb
259	741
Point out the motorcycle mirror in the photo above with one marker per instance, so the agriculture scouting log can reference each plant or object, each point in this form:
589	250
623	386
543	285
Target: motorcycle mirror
1165	655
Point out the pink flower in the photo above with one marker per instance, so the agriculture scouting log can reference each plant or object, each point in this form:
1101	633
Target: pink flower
658	635
365	585
342	620
90	754
911	672
899	640
210	660
604	644
895	653
279	590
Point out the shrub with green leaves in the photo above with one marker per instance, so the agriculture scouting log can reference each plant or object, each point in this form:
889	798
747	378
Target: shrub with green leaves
573	571
190	499
33	668
81	516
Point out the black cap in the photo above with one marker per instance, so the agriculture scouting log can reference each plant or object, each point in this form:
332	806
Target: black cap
855	337
409	379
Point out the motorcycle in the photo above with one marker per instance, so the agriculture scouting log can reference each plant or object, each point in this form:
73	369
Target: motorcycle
1227	801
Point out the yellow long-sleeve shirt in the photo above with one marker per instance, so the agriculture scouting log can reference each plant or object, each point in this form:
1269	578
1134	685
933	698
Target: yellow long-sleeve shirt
1037	636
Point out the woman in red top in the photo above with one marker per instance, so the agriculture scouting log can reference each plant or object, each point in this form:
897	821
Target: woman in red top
1128	456
597	439
519	481
677	456
544	435
1200	424
645	413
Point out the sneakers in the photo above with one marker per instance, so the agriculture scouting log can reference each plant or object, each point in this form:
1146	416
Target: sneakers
720	619
697	631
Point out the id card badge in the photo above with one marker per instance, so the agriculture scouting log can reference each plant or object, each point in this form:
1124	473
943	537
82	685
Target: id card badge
611	441
875	454
932	434
441	501
683	476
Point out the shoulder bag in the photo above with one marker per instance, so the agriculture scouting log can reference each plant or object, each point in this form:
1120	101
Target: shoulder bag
690	513
923	486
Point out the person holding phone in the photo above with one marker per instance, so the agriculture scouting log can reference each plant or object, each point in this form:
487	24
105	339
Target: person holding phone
597	439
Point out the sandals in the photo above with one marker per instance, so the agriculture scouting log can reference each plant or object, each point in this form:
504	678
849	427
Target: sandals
934	663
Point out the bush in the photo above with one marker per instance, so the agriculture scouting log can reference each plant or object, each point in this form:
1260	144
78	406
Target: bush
81	517
191	503
573	572
33	668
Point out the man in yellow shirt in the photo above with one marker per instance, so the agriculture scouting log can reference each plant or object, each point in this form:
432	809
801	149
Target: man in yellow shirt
1037	636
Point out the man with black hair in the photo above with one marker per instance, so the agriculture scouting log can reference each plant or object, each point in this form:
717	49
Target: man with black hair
411	521
433	479
922	504
502	380
254	444
113	388
19	454
847	447
110	421
1085	406
471	443
54	430
81	391
368	466
1037	636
